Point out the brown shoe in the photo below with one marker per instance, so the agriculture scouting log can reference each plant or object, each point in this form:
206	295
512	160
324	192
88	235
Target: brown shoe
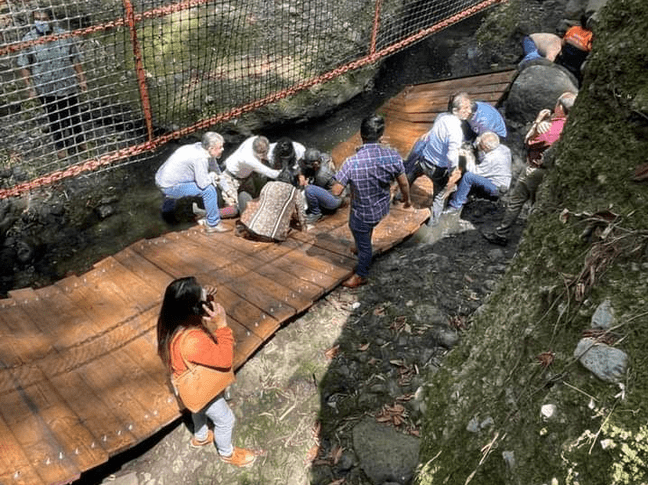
355	281
220	227
195	443
240	457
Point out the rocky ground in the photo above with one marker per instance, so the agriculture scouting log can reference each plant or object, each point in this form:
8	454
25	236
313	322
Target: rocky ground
336	396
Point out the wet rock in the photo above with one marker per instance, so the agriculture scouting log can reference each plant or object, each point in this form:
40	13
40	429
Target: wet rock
607	363
537	87
430	315
384	453
445	335
603	317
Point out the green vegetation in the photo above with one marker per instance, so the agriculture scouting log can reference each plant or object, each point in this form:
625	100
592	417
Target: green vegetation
544	303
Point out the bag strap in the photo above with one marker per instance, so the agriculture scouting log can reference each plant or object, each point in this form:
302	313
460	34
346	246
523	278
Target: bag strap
181	337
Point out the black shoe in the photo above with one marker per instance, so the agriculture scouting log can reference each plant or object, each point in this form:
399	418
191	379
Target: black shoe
495	238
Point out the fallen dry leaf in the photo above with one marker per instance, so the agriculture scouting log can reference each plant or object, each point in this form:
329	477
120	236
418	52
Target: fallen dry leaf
312	454
373	361
332	352
339	481
546	358
364	347
398	324
379	312
336	454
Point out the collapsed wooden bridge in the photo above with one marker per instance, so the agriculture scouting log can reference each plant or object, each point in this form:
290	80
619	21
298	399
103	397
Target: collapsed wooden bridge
80	380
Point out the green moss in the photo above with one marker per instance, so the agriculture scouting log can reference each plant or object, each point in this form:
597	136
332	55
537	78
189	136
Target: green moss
495	371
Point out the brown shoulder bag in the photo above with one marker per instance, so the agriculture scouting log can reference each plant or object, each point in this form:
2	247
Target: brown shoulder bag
199	384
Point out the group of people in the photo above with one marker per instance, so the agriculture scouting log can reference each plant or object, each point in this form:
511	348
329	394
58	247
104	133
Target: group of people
192	329
194	340
462	152
569	51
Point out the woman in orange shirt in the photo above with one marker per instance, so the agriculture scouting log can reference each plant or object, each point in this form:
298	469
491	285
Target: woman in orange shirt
190	329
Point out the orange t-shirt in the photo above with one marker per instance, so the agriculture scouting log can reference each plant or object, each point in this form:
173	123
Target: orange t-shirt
198	347
579	37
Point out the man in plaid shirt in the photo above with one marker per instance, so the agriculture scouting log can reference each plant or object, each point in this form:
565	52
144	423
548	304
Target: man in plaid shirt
370	173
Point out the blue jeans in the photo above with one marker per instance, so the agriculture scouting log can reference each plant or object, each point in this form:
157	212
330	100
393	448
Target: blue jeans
190	189
530	50
469	181
319	198
223	418
362	234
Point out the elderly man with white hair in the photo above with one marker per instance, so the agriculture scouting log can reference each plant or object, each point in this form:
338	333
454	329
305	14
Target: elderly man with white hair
491	174
545	131
186	174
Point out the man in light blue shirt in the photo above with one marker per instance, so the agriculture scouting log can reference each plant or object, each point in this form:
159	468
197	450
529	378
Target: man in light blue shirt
439	151
485	117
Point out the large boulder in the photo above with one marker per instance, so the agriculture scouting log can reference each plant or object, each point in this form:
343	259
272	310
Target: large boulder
537	87
385	454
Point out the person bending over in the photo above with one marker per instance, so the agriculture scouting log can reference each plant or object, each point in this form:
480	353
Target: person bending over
186	174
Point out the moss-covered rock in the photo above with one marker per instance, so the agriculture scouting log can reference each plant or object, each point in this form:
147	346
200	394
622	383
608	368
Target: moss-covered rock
598	433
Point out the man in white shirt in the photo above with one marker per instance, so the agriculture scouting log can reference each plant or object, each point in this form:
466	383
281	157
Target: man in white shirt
249	158
186	174
491	175
438	157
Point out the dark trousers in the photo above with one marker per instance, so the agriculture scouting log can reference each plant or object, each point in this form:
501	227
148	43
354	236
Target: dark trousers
63	113
362	233
525	189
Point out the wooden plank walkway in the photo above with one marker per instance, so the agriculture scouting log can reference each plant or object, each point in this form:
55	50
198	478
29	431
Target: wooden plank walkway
80	380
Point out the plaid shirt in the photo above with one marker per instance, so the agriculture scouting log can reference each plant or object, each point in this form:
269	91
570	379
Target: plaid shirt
370	172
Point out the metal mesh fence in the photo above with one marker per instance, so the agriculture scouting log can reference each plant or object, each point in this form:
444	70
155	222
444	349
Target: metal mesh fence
95	83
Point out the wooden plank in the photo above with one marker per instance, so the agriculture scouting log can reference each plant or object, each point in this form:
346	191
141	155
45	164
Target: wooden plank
56	316
180	256
138	291
63	425
433	99
144	269
15	467
455	84
32	344
109	378
151	394
270	264
246	342
99	417
21	410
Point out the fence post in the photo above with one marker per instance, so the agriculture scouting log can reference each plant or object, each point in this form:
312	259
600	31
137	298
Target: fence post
139	67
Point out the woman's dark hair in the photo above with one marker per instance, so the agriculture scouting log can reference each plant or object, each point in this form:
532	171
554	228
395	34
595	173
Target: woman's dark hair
283	154
181	307
372	128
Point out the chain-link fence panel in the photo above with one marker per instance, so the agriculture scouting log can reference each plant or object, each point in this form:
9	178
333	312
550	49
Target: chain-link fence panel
97	83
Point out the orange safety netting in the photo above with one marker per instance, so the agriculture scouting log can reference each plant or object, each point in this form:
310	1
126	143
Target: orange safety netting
110	81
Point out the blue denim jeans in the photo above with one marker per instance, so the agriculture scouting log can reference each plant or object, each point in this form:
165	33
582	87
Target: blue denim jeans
219	413
319	198
469	181
190	189
362	234
530	50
